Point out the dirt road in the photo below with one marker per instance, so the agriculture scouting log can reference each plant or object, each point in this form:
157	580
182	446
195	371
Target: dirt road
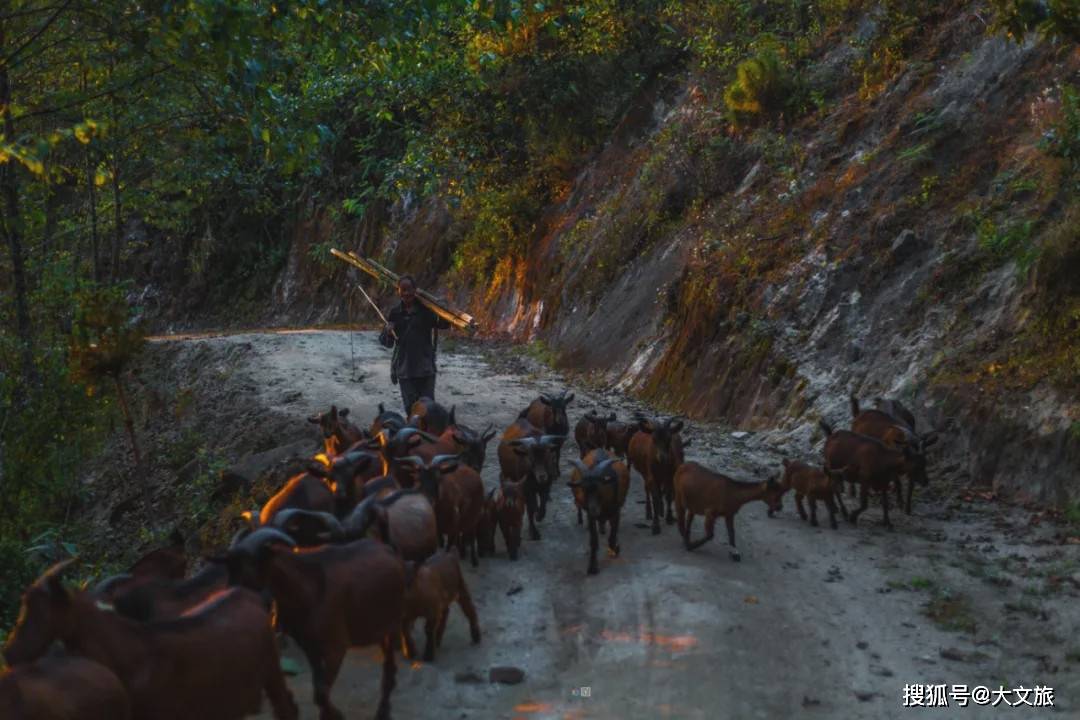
813	621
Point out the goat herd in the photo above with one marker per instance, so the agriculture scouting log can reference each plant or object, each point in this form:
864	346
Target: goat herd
358	547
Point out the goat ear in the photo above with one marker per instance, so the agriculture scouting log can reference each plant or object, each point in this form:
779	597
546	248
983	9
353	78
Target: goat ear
687	442
318	470
786	462
677	426
314	419
520	449
343	412
545	399
611	417
333	412
929	439
382	408
488	435
453	409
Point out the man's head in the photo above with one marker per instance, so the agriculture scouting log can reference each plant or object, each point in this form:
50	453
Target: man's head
406	288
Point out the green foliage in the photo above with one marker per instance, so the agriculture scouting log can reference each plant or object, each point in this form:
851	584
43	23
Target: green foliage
762	89
1050	18
1065	141
1012	242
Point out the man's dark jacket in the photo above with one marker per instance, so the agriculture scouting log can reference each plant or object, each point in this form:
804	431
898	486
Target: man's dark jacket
415	356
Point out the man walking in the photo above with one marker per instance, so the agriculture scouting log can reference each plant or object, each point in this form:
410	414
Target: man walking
410	332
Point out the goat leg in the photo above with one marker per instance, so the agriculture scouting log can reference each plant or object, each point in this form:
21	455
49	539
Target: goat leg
579	518
593	543
813	511
467	607
730	521
885	507
281	700
408	645
658	507
686	530
389	677
830	504
899	492
331	664
710	526
864	501
668	498
839	498
473	551
530	506
431	621
799	505
545	492
648	498
613	538
910	490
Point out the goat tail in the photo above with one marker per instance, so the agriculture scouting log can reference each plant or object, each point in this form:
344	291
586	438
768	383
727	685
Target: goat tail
826	427
854	406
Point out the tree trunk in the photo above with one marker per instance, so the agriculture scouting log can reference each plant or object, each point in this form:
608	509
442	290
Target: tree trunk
95	249
12	226
114	264
129	422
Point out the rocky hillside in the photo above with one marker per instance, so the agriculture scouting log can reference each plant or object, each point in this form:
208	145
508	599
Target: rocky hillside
914	233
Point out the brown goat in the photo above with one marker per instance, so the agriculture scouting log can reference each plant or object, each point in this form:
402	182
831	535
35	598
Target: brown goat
455	491
656	451
160	598
504	509
430	416
814	484
590	432
388	420
404	519
436	585
338	433
307	491
700	491
896	432
471	445
63	687
548	412
167	562
161	564
213	662
527	455
600	484
618	437
871	463
328	599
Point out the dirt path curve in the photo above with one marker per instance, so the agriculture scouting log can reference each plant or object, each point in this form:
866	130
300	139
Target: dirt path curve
808	623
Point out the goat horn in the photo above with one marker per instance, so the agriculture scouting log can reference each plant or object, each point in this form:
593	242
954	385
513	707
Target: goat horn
57	569
440	459
238	536
329	521
107	584
264	535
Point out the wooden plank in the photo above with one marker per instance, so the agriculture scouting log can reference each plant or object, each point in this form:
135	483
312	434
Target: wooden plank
457	318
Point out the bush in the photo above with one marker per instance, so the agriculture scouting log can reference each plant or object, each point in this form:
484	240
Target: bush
1051	18
762	89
